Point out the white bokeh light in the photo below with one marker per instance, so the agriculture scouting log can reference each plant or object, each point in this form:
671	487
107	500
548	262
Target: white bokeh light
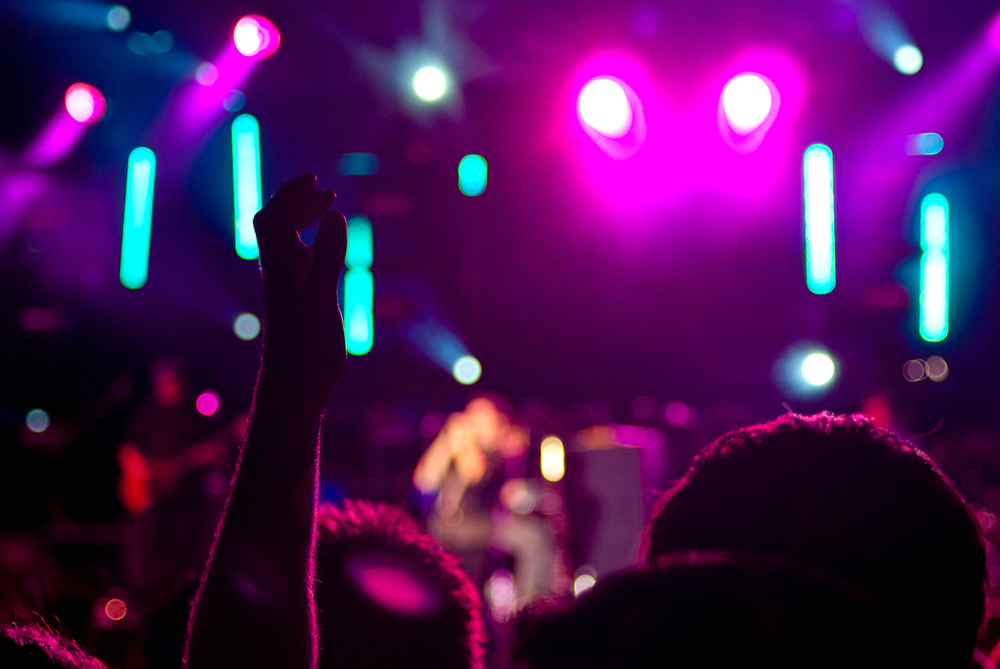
908	59
746	100
604	106
467	370
248	37
818	369
429	83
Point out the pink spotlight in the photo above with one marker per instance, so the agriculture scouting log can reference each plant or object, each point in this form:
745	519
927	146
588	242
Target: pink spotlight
254	35
746	100
85	103
604	106
207	403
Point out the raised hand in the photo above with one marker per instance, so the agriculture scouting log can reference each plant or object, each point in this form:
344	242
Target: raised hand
255	607
303	327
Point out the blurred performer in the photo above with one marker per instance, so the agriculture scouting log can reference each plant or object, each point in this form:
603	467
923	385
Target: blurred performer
175	466
472	460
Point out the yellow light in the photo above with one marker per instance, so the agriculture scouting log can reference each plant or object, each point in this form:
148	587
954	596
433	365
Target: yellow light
553	459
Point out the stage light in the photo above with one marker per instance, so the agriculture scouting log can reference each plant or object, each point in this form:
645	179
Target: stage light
915	370
255	35
583	583
501	595
472	175
604	106
430	83
119	18
358	294
924	144
37	421
908	59
553	459
85	103
934	267
818	369
115	609
937	369
821	265
207	403
358	164
246	183
746	100
359	243
359	287
467	370
246	326
206	74
234	101
138	217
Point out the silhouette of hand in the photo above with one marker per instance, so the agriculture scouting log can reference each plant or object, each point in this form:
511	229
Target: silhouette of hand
303	327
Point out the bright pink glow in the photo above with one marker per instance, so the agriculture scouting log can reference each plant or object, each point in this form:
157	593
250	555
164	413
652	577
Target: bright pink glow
85	103
612	115
256	36
202	104
746	99
604	106
393	584
993	33
683	158
207	403
56	140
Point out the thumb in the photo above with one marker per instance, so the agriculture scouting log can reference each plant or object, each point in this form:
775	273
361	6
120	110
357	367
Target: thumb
328	252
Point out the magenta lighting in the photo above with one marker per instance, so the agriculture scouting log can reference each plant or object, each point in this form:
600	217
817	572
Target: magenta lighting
85	103
747	108
604	106
746	100
255	36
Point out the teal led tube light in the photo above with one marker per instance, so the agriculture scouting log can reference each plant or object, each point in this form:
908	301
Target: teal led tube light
472	175
934	224
246	183
138	217
821	259
358	295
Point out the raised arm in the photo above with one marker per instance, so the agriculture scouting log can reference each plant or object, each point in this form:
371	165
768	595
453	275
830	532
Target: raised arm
255	605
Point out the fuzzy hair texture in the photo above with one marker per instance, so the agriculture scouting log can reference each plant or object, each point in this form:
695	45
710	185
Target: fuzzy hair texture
356	632
838	493
36	646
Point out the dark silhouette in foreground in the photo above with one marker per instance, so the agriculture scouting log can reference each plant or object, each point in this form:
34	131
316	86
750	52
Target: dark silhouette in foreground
388	595
838	494
706	610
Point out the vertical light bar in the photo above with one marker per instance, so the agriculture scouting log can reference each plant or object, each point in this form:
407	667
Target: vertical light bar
472	175
246	182
821	263
138	217
359	287
934	267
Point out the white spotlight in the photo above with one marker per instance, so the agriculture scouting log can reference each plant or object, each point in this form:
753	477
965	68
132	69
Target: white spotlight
429	83
908	59
818	369
746	99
